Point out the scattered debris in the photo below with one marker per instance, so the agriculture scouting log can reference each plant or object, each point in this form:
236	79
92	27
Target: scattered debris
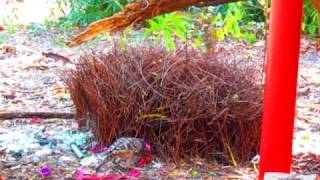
41	146
279	176
45	172
56	56
304	92
77	151
306	163
8	49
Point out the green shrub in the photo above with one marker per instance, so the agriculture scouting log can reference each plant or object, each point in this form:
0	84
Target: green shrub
2	40
239	21
167	27
229	20
311	19
83	12
242	20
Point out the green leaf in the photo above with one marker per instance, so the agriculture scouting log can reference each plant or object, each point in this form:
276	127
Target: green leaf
312	29
250	37
169	40
1	39
220	34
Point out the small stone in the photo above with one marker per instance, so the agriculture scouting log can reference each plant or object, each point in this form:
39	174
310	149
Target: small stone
17	154
15	167
65	161
35	159
43	153
6	123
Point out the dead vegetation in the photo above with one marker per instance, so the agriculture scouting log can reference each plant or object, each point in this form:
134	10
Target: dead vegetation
185	103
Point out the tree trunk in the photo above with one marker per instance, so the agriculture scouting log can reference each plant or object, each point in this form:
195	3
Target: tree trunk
135	12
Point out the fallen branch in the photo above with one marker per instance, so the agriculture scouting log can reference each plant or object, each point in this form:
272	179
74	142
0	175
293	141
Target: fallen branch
204	3
316	4
44	115
135	12
143	10
56	56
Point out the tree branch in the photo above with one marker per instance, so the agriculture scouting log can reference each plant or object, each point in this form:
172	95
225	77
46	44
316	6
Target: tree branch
316	4
44	115
214	3
137	11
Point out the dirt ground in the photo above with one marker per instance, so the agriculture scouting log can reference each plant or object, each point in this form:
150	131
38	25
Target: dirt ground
32	64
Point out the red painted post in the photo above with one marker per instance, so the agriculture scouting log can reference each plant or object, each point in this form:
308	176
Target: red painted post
280	87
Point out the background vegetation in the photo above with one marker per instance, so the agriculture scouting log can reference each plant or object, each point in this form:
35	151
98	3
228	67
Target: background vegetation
83	12
242	21
239	21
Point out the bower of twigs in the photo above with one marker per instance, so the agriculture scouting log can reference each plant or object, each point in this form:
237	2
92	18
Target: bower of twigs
185	103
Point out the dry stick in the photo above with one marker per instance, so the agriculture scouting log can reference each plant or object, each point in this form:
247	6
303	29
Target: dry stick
56	56
45	115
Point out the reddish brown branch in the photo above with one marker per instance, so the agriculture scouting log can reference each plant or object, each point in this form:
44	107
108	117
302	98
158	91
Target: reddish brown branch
45	115
214	3
56	56
316	4
135	12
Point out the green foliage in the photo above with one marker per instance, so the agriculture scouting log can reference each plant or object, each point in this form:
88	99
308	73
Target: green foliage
167	27
59	43
83	12
249	15
49	23
311	19
37	28
238	20
242	20
2	40
12	28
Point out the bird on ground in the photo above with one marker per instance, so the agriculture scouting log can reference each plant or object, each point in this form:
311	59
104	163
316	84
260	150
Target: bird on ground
124	149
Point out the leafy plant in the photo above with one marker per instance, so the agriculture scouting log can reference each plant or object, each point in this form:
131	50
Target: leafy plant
2	40
12	28
208	23
169	26
83	12
237	21
311	19
243	20
49	23
59	43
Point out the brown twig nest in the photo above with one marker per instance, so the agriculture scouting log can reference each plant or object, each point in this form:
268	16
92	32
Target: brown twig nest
185	103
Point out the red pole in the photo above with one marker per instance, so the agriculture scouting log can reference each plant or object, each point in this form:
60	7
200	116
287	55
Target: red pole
280	86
